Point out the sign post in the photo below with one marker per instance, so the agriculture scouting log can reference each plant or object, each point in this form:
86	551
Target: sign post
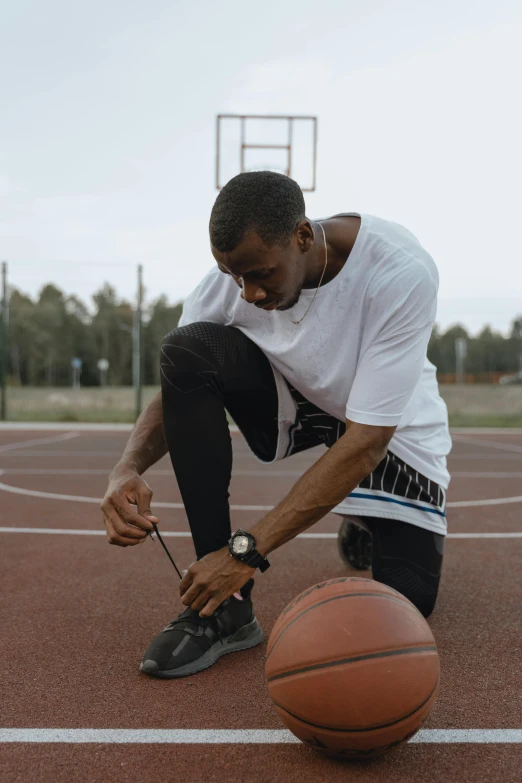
76	364
103	366
4	319
461	350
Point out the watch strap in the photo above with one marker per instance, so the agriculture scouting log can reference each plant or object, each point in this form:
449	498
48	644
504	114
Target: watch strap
255	560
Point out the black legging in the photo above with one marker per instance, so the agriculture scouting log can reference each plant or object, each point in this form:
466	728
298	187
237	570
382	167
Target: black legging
207	369
407	558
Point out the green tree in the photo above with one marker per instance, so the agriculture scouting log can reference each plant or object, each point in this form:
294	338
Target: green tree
112	334
161	318
23	331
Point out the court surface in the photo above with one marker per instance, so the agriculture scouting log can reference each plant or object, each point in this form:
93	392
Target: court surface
78	615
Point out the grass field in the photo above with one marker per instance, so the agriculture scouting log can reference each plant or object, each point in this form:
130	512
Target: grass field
468	406
483	405
94	404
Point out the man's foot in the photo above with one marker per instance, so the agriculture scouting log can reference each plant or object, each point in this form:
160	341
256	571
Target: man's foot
191	643
355	545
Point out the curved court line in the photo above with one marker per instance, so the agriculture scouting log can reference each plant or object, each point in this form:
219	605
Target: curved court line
34	493
38	441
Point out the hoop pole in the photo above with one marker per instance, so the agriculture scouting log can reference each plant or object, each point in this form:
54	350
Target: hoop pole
136	364
3	345
315	155
218	148
289	154
242	160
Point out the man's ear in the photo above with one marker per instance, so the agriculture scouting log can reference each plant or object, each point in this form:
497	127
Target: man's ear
305	235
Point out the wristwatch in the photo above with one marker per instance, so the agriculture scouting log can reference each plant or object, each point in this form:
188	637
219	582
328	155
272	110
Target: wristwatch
242	546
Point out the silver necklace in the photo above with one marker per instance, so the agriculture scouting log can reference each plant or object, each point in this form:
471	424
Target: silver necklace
320	281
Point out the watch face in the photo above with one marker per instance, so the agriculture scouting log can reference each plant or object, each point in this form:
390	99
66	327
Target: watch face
240	545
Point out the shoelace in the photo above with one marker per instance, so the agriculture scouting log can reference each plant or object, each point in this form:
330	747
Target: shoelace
165	548
189	615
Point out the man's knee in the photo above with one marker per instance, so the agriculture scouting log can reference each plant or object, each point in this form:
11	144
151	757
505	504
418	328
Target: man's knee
418	588
190	356
212	341
207	333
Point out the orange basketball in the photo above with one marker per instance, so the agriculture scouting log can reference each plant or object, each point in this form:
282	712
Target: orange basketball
352	667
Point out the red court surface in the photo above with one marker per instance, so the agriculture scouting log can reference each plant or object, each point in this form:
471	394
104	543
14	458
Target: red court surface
78	615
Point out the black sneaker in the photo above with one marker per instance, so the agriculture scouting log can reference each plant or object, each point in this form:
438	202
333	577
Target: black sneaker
355	545
191	643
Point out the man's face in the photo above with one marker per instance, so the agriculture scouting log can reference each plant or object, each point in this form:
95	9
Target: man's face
272	277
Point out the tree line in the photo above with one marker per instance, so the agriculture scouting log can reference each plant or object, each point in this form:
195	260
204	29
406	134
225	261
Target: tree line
487	354
46	333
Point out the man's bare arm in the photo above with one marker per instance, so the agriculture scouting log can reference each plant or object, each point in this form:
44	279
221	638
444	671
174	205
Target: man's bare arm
146	444
216	576
126	505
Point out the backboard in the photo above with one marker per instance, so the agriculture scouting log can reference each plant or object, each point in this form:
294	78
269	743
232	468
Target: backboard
255	142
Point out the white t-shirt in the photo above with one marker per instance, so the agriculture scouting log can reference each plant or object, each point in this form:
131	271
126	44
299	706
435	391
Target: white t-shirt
360	353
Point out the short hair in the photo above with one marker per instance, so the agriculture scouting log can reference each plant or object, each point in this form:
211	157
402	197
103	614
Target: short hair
266	202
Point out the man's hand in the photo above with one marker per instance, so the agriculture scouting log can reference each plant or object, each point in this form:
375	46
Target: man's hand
125	525
212	579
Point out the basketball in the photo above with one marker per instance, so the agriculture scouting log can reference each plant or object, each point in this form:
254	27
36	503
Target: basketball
352	668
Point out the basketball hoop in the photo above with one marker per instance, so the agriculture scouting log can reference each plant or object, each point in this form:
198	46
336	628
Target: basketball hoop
289	141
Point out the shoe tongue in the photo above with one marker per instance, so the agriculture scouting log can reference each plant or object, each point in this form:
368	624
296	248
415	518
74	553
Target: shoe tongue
190	622
188	614
188	618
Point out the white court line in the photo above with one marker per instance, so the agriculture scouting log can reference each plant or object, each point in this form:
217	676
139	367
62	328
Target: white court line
105	472
127	427
51	439
478	474
261	473
82	426
486	430
484	535
489	457
474	503
21	453
296	473
59	531
297	458
491	444
33	493
235	736
83	499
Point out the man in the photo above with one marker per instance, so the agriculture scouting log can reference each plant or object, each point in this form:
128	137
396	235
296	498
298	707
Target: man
323	343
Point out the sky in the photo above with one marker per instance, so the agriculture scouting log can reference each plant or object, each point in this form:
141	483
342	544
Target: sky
107	137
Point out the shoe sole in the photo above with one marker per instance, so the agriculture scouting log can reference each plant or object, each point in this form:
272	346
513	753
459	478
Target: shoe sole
354	561
248	636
